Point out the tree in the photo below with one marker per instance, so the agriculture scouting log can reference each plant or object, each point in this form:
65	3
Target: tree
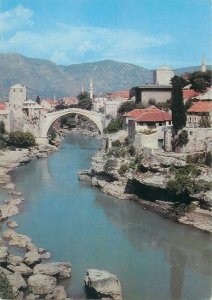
114	125
178	109
200	80
21	139
151	101
38	100
83	95
204	123
2	128
84	101
126	107
200	85
85	104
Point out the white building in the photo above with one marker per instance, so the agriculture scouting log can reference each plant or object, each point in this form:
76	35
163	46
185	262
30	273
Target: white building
163	75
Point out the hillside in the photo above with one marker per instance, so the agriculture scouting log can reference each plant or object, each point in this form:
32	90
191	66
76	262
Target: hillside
182	71
45	78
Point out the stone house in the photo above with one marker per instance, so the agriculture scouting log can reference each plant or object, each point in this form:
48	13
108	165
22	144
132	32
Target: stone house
199	110
146	127
160	93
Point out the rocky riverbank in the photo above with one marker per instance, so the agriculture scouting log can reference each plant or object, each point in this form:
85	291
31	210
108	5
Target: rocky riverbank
114	173
26	276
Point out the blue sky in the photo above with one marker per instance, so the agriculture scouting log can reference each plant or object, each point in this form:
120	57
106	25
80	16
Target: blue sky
148	33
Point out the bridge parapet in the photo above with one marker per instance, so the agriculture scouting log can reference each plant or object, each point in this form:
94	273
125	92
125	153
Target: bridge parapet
49	118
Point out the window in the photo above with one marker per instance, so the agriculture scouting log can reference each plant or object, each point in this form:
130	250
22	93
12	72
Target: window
170	122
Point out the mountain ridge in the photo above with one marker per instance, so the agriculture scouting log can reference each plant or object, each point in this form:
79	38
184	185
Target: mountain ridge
46	79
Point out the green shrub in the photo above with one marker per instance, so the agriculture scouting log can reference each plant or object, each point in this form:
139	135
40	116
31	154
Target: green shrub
123	169
197	158
208	159
180	140
131	150
110	164
186	182
114	125
6	291
191	207
21	139
116	143
52	134
204	123
148	131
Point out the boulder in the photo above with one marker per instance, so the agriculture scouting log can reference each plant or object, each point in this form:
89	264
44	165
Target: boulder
40	284
60	270
14	260
3	254
9	186
8	210
24	160
12	224
17	282
32	297
16	239
21	269
59	292
41	155
102	284
44	254
16	201
32	258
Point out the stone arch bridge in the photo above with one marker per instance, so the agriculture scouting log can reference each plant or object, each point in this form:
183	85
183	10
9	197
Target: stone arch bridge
49	118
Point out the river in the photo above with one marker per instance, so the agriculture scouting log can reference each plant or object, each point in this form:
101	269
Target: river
153	257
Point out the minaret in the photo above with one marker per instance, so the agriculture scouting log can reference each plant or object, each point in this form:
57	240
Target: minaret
91	89
203	66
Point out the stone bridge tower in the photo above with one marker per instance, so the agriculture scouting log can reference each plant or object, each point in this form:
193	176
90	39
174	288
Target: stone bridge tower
17	96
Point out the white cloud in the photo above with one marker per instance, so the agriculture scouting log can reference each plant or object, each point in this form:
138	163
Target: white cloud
69	44
15	18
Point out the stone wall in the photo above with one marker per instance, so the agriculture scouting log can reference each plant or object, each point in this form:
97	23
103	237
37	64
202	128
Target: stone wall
200	139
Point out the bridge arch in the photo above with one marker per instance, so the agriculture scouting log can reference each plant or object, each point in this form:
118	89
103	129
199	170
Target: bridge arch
49	118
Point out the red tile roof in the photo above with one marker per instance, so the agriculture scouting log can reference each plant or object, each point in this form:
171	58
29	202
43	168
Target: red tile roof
2	106
187	94
201	106
151	114
154	117
121	94
137	112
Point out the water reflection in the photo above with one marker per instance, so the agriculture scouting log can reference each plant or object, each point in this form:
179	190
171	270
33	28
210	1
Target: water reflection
184	249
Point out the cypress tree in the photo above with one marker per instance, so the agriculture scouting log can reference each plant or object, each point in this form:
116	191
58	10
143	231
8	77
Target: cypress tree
178	108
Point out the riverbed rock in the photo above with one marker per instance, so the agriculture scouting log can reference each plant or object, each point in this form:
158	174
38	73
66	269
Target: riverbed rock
24	160
59	292
12	224
17	282
9	186
44	254
32	297
58	269
16	239
22	269
3	254
14	260
7	211
103	284
40	284
1	242
16	201
41	155
16	193
32	258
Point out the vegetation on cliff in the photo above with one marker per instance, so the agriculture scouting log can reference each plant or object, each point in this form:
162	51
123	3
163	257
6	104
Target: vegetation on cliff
6	291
